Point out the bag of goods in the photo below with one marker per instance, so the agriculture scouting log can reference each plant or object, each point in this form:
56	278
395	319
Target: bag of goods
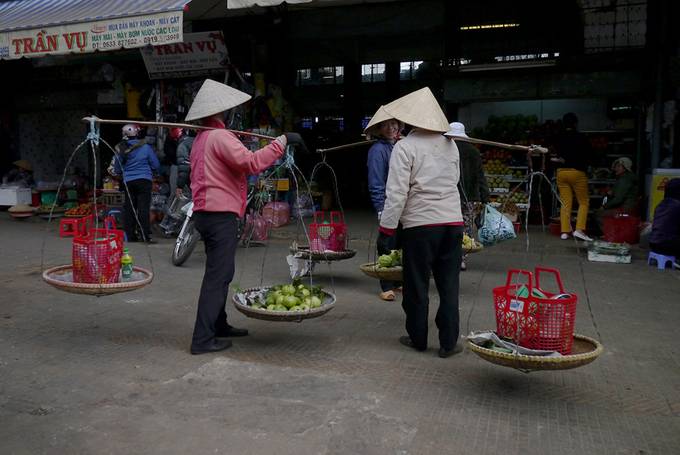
277	213
495	227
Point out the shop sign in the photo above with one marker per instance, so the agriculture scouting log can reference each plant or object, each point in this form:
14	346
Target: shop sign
200	54
106	35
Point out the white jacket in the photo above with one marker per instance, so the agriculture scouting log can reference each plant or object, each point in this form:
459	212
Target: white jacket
422	185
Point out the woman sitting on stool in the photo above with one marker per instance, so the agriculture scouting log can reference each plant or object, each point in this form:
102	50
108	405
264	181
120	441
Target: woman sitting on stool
665	236
624	196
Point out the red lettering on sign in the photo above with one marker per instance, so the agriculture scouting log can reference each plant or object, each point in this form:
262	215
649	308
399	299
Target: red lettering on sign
79	38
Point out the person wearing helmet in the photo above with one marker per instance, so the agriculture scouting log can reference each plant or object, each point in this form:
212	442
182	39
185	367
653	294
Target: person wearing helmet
220	164
136	162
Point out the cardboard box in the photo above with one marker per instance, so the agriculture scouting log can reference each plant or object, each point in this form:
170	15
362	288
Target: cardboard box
14	196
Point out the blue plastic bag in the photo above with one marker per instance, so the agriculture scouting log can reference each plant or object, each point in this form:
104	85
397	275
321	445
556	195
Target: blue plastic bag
496	227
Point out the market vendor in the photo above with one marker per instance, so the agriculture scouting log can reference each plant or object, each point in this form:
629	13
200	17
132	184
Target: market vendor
422	195
475	189
665	236
385	131
623	198
20	175
219	166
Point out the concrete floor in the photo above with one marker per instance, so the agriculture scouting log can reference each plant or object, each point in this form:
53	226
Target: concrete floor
90	375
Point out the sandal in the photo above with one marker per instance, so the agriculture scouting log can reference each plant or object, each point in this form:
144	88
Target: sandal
388	296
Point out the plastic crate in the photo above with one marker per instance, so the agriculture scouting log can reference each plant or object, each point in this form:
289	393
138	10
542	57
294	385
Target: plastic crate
328	234
532	321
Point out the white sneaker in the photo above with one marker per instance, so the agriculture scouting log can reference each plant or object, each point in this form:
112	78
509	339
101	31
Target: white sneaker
582	236
564	236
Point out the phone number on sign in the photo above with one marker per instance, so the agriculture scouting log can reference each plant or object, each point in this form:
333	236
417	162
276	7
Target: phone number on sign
157	39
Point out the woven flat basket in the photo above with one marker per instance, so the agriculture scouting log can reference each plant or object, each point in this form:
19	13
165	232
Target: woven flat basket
61	277
304	253
477	249
583	351
383	273
283	316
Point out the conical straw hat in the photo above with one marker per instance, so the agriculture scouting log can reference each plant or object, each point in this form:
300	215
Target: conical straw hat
23	164
379	116
419	109
214	98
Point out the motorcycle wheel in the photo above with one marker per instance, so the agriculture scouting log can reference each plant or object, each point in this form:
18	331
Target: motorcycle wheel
185	247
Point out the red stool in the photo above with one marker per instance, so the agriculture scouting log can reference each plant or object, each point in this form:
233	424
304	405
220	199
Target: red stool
68	227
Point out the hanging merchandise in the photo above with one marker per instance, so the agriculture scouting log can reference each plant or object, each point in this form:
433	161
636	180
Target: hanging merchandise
97	252
290	302
534	327
496	227
327	234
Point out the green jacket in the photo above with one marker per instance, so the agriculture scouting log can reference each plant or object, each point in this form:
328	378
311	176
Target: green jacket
625	192
472	178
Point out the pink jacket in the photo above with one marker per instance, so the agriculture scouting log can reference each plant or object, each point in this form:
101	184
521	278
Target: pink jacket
219	166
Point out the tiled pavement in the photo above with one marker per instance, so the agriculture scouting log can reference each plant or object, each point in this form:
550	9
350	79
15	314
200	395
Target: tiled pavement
112	375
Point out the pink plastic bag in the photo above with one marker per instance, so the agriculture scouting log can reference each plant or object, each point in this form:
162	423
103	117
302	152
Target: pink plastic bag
256	228
277	213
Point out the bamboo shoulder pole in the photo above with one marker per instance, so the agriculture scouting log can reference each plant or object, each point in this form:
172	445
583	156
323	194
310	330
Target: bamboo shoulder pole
172	125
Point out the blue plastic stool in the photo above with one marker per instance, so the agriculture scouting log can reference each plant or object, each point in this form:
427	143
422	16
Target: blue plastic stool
117	215
661	260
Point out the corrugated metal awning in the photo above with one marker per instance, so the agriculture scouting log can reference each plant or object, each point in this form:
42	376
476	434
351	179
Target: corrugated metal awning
30	28
236	4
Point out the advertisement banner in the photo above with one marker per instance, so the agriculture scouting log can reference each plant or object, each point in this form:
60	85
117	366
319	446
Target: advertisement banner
657	187
106	35
199	54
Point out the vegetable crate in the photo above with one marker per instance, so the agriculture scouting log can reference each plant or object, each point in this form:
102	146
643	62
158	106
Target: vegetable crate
96	256
328	234
534	318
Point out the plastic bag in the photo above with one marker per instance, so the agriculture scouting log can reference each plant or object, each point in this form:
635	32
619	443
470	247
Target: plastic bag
495	227
256	228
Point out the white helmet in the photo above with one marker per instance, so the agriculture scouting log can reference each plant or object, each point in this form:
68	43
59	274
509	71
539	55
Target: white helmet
131	130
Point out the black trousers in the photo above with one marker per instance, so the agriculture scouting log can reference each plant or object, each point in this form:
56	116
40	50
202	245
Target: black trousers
393	244
140	199
219	233
436	250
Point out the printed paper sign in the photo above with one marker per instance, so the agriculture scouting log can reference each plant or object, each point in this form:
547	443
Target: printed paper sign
199	54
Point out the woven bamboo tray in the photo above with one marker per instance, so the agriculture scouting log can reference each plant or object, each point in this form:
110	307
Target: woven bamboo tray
583	351
61	277
283	316
477	249
304	253
383	273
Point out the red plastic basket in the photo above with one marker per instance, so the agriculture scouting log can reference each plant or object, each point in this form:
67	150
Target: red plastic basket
534	322
328	234
96	256
622	228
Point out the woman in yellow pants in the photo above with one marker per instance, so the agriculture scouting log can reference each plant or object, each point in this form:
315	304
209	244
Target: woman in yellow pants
573	149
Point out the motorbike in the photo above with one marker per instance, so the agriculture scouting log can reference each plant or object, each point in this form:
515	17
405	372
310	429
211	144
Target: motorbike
187	238
188	235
